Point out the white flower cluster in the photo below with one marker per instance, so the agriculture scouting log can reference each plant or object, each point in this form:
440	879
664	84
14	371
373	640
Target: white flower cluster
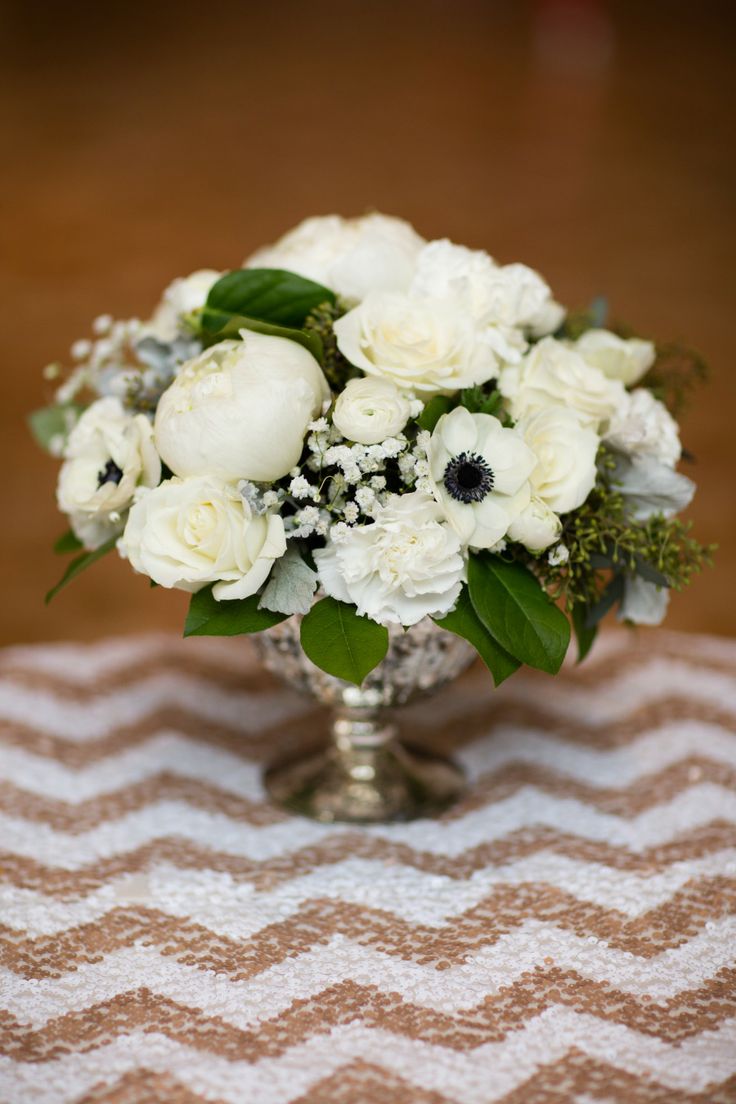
392	477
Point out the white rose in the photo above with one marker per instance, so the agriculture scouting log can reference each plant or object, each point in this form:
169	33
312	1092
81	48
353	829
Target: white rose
183	295
422	345
480	475
618	358
552	373
508	299
536	527
108	453
369	410
565	450
643	426
404	566
240	410
349	256
187	533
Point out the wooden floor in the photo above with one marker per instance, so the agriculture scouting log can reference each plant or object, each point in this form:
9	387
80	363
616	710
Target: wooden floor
142	142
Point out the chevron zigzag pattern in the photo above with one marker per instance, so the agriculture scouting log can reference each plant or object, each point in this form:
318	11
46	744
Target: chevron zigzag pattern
565	934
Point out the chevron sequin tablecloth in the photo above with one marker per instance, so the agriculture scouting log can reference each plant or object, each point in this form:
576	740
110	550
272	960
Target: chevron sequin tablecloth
566	934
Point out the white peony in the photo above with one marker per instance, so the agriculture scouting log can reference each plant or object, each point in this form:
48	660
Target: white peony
349	256
643	426
618	358
370	409
507	299
240	410
551	373
422	345
187	533
536	527
108	453
406	565
480	475
565	450
182	296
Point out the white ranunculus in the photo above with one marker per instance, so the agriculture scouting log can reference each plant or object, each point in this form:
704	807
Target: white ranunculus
187	533
507	299
108	453
424	346
618	358
183	295
643	426
480	475
240	410
406	565
536	527
350	256
643	603
551	373
565	450
370	409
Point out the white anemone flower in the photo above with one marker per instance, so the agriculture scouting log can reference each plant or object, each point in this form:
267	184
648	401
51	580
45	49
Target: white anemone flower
480	475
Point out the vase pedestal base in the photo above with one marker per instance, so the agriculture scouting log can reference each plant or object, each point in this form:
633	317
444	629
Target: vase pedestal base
366	784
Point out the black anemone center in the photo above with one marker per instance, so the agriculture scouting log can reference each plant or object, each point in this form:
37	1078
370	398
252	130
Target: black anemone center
468	477
111	473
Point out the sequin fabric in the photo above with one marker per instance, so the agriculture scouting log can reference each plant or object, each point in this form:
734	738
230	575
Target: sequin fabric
565	934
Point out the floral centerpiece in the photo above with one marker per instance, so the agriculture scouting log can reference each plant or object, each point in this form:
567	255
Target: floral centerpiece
368	430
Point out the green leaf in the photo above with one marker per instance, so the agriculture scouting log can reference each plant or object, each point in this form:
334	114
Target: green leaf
613	593
478	401
53	421
291	585
433	411
269	295
67	542
80	564
219	325
208	617
585	634
340	642
464	621
517	613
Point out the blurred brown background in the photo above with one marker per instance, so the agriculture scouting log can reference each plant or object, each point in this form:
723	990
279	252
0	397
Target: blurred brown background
589	140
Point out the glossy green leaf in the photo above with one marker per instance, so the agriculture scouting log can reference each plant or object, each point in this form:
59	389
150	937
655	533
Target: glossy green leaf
340	642
269	295
208	617
585	634
219	325
433	411
67	542
464	621
80	564
517	613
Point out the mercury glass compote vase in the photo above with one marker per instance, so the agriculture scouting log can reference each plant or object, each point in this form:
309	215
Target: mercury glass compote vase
365	775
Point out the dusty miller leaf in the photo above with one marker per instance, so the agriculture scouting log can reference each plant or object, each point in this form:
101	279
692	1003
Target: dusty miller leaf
291	585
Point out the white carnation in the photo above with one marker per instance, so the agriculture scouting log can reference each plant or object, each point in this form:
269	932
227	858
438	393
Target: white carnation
350	256
404	566
617	357
108	453
565	449
370	409
187	533
240	410
643	426
553	373
422	345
